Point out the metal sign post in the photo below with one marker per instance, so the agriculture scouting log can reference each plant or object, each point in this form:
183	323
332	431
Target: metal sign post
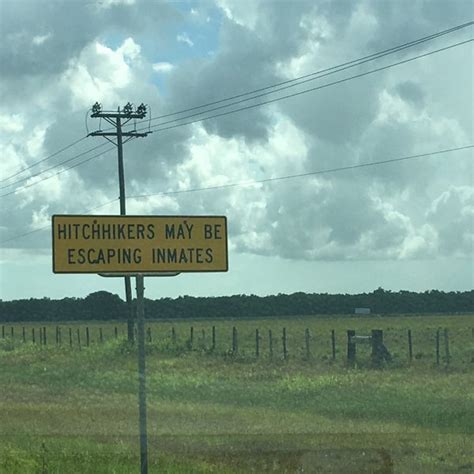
141	375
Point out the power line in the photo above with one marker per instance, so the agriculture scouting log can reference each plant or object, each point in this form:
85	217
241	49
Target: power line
266	180
310	173
276	99
53	167
320	73
251	106
337	68
49	226
56	174
43	159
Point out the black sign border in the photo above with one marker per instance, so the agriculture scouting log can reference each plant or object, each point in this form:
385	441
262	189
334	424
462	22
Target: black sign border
121	272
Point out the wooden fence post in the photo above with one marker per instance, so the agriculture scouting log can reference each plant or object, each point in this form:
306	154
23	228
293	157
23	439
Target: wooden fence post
410	347
57	335
45	341
213	338
148	332
12	332
116	332
333	344
270	343
70	337
33	338
235	344
437	347
285	346
173	335
446	346
79	338
24	334
378	348
307	337
191	337
87	336
351	348
257	343
101	336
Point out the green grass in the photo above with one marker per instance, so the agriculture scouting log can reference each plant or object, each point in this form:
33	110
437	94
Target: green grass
68	410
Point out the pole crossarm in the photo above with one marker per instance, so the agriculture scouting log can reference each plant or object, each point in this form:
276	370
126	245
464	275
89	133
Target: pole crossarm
114	134
126	115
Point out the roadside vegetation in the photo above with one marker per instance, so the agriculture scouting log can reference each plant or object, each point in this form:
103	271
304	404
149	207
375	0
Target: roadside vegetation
65	409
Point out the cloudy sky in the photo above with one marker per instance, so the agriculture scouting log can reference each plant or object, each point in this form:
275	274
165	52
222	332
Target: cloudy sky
400	225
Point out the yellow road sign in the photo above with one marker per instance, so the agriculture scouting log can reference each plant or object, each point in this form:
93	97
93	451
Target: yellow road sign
139	244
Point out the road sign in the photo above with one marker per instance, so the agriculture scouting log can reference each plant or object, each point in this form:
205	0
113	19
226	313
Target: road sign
139	244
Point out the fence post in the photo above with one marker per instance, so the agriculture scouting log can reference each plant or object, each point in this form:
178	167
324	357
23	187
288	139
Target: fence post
437	347
116	332
87	336
79	338
213	338
45	341
351	348
101	336
333	344
173	335
33	338
191	337
410	347
378	352
57	335
12	332
24	334
270	343
148	333
257	343
285	347
446	346
235	345
307	337
70	337
3	331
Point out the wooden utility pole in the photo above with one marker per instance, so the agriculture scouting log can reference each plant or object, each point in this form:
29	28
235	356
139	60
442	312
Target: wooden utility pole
118	119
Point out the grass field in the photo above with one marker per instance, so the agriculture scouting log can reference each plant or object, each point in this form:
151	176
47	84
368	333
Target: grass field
65	410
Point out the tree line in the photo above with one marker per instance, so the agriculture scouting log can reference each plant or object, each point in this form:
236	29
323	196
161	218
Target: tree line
105	306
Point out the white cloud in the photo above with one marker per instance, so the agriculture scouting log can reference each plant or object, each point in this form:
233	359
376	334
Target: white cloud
101	73
39	40
184	38
11	123
163	67
110	3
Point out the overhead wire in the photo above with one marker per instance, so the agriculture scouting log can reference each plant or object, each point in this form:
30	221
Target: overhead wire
26	186
49	226
52	155
333	69
309	173
159	127
327	71
54	166
268	180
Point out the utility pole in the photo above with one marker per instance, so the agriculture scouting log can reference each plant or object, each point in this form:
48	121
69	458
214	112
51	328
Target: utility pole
118	119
